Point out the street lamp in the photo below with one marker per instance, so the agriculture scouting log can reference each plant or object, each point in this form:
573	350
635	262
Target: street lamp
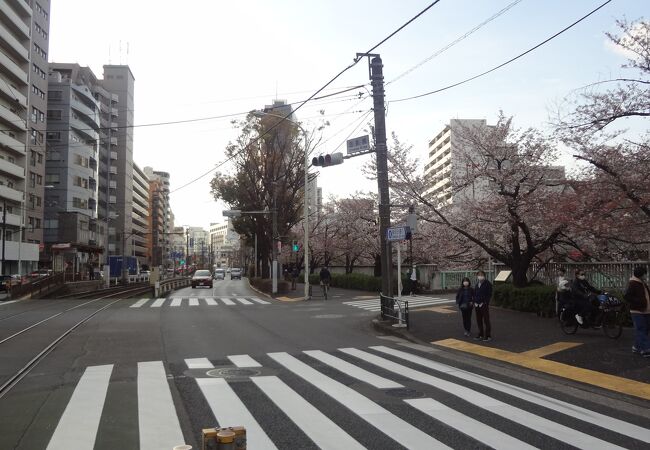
306	199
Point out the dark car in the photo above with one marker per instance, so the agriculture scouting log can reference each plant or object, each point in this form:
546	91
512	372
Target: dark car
235	274
202	278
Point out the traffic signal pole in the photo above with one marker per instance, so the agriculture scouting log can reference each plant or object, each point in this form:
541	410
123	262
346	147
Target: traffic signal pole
377	81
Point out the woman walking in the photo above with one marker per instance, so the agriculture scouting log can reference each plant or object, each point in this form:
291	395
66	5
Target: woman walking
465	302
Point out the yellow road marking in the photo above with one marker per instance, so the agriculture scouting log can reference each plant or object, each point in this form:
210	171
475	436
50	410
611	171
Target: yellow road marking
592	377
438	309
550	349
289	299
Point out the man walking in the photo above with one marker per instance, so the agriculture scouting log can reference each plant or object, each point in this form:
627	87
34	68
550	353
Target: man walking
637	295
482	296
414	280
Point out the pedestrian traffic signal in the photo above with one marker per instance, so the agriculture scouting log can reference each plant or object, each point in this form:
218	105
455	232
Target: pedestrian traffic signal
295	247
327	159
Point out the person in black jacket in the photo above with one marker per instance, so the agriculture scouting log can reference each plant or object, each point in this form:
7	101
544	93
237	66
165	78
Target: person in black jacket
482	296
465	303
583	295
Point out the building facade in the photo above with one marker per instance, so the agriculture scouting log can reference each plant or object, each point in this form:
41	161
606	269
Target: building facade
140	230
161	218
224	242
24	38
70	225
120	83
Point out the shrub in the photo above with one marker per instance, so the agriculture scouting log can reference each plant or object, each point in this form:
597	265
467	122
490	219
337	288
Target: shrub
266	285
537	299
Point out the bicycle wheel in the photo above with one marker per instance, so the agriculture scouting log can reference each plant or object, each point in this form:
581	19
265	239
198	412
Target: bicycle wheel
568	323
612	324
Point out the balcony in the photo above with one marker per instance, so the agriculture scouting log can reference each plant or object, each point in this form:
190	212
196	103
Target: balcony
112	199
12	169
12	92
11	143
13	220
112	184
12	118
15	45
14	69
113	170
113	140
114	156
11	194
16	21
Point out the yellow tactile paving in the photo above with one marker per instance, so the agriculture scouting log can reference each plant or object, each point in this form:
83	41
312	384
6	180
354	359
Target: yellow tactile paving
592	377
439	309
550	349
289	299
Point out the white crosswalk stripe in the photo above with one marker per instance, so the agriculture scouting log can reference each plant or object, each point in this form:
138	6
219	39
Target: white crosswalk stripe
480	400
373	304
157	420
78	425
199	301
294	385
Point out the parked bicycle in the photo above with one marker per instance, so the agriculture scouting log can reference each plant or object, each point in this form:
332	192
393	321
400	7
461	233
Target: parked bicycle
609	316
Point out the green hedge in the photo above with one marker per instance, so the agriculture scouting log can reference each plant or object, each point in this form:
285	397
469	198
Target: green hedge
265	285
537	299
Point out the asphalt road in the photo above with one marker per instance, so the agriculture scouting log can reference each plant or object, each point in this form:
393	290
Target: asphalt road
152	373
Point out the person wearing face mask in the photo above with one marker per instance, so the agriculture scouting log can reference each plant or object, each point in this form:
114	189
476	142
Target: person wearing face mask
465	303
637	295
482	296
583	295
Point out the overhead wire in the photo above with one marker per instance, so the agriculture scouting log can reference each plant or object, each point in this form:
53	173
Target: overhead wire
312	96
467	80
456	41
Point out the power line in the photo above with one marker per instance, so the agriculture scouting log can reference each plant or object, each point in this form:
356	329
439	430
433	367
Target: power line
312	96
456	41
467	80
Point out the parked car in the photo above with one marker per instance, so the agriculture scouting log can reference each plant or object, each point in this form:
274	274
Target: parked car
219	274
235	274
202	278
41	273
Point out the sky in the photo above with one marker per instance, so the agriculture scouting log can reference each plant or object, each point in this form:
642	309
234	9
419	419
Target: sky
212	58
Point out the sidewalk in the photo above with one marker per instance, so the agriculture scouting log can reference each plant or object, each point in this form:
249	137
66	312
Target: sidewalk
526	340
317	294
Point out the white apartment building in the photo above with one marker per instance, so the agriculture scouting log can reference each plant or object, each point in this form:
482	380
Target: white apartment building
445	162
225	243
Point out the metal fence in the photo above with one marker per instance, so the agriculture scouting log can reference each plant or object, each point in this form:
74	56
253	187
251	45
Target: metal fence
452	279
388	311
603	275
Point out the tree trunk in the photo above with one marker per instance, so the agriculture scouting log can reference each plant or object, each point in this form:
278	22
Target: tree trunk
519	277
377	265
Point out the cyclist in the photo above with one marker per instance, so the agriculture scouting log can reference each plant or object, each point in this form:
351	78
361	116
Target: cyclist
583	295
325	279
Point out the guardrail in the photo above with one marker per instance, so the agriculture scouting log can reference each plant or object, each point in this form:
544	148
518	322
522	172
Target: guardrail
164	286
388	311
36	287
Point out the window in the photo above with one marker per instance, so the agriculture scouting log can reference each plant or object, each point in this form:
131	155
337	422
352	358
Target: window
81	160
52	178
32	158
39	180
53	135
33	136
32	201
38	201
32	179
38	223
34	115
51	223
54	95
41	116
39	157
53	155
79	203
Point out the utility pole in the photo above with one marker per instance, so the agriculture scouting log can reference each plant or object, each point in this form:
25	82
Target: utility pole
4	234
187	248
377	80
274	267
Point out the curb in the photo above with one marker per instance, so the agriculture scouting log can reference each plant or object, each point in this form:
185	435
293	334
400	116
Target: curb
386	327
257	290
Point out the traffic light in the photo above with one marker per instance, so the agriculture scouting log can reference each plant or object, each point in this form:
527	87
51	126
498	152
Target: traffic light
295	247
327	159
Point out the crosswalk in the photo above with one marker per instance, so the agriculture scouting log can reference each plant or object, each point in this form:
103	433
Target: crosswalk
373	305
338	399
198	301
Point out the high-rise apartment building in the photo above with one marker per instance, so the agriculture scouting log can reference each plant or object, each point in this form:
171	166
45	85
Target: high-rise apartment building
24	38
160	218
117	157
70	226
445	161
140	232
224	242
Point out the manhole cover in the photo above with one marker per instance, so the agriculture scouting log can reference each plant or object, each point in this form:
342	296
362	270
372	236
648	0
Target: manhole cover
329	316
233	372
403	393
